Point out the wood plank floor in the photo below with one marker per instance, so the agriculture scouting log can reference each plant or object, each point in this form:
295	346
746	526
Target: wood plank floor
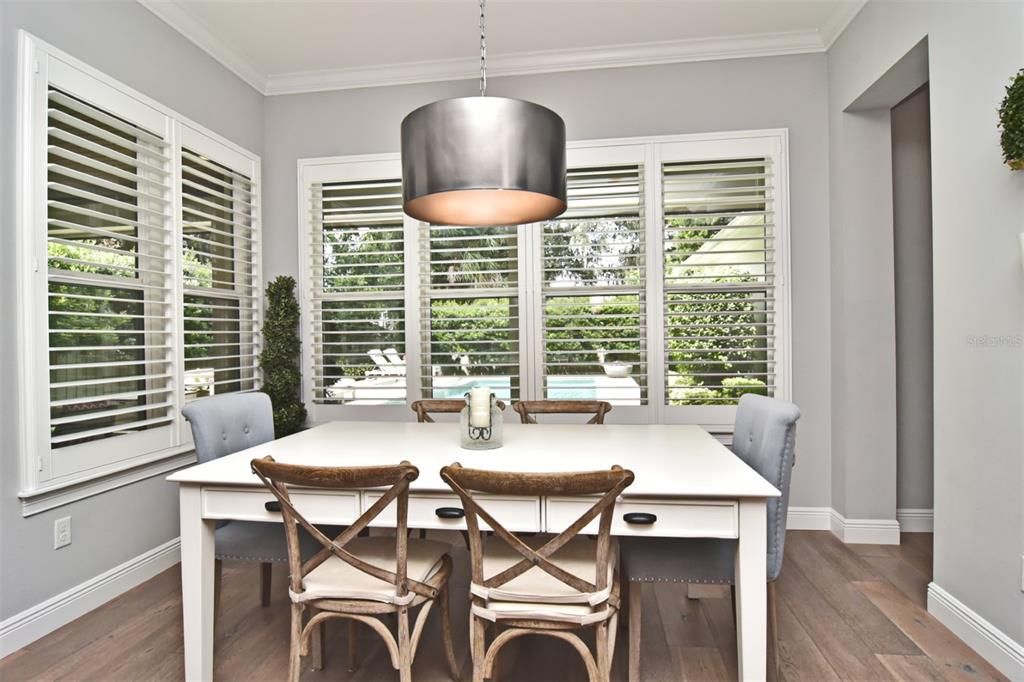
850	612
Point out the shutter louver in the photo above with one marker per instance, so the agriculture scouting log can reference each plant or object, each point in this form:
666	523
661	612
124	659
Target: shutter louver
221	288
593	290
719	283
470	310
358	306
111	345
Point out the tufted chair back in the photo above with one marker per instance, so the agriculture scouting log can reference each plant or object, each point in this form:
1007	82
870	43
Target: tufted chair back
764	437
224	424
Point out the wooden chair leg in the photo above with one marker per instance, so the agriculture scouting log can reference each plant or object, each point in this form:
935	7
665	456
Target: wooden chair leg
446	631
318	645
404	647
266	574
218	572
478	647
773	635
601	646
353	652
635	599
295	650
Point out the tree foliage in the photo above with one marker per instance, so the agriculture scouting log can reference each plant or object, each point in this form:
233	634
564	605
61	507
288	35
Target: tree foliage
280	356
1011	121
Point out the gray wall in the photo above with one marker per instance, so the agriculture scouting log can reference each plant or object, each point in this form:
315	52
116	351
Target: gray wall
978	302
778	92
130	44
912	247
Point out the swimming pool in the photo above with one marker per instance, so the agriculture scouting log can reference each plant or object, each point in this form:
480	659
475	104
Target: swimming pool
559	387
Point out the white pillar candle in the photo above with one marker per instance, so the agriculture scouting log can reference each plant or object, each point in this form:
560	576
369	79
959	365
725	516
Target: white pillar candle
479	407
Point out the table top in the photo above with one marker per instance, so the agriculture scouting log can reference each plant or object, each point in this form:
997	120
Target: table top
668	460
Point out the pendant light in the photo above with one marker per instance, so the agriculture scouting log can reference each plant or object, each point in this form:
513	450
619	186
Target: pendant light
483	160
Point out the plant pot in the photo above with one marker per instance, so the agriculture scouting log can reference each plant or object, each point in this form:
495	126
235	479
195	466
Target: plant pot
1015	164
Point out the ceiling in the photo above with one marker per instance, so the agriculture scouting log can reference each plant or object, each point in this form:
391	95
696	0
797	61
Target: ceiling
297	46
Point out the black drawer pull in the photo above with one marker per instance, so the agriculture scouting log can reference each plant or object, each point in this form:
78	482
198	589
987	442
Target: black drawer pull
640	518
449	513
272	506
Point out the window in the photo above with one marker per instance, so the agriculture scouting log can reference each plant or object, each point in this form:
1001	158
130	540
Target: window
719	303
594	289
109	278
130	305
661	289
220	292
470	310
358	307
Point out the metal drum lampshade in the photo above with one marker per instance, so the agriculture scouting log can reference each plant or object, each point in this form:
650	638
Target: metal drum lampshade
483	161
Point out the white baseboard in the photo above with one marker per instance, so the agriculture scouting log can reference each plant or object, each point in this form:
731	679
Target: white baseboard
26	627
865	531
809	518
916	520
990	642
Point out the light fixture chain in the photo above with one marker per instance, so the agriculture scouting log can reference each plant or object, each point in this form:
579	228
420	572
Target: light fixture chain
483	50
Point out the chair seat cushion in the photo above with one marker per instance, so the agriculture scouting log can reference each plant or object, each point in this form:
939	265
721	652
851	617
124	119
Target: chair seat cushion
685	560
263	542
578	557
536	594
336	579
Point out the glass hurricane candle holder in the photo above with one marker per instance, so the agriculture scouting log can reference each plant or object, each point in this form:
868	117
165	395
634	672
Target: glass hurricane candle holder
477	434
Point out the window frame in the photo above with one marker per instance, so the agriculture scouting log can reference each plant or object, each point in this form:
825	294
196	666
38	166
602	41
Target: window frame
647	151
353	169
43	485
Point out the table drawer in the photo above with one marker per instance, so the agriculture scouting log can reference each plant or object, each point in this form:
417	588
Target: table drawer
336	508
664	518
515	513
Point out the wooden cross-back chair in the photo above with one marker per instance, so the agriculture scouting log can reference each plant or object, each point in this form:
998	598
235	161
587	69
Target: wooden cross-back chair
546	585
360	578
424	408
527	409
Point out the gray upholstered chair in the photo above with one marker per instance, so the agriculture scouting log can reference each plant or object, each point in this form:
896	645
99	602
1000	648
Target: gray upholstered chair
764	437
222	425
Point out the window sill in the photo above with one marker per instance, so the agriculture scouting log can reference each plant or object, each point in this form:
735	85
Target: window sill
43	499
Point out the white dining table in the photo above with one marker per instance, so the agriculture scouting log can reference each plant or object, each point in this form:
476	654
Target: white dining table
687	485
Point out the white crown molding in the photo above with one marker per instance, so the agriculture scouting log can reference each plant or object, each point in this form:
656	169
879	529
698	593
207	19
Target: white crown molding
994	645
178	17
37	621
548	61
835	27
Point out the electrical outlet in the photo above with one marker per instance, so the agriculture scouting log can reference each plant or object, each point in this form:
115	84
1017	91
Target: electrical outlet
62	532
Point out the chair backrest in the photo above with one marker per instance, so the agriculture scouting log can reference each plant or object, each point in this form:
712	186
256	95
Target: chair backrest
225	424
528	408
278	476
764	437
609	484
424	408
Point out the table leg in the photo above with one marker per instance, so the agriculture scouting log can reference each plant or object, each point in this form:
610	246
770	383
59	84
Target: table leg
751	591
197	555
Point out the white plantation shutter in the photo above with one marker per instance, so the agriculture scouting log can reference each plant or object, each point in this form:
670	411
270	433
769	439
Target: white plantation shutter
719	280
220	275
357	273
593	289
110	283
469	310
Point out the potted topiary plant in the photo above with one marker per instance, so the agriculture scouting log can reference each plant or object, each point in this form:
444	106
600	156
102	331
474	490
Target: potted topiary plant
280	356
1011	121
